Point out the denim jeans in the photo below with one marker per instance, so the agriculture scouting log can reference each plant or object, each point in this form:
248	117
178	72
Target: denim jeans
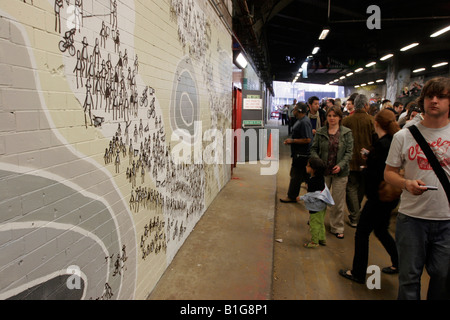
423	243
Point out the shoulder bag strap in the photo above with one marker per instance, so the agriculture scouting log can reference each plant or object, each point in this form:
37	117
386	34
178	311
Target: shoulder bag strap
432	159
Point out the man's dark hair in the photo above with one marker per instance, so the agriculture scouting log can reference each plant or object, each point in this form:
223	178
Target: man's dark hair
312	99
435	87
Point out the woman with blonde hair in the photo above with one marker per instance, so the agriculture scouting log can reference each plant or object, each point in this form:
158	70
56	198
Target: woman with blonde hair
376	213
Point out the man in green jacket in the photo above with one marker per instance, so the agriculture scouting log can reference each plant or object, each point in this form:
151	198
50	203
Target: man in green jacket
363	129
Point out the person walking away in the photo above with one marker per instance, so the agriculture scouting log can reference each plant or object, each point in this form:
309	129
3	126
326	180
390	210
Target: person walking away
376	214
333	143
316	201
423	222
284	115
300	150
361	124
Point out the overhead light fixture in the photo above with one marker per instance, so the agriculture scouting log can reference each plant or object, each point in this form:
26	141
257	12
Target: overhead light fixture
324	34
241	61
349	74
371	82
363	85
380	80
343	77
357	86
359	69
390	55
300	70
438	33
419	70
412	45
371	64
315	50
437	65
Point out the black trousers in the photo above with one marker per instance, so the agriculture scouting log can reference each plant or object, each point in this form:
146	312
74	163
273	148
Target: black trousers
375	216
298	175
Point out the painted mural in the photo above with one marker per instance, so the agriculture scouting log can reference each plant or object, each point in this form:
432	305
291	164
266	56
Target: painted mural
96	96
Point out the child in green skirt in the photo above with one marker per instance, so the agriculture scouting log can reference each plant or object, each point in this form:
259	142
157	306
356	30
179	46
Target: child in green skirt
316	200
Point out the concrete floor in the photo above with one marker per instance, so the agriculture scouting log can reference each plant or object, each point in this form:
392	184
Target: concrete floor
229	255
249	246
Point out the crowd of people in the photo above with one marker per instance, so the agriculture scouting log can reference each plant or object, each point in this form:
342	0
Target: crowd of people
344	153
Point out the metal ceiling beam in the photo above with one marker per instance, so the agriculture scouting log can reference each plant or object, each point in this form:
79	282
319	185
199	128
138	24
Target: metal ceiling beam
270	13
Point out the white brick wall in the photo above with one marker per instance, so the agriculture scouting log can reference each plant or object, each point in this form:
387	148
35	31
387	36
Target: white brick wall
62	202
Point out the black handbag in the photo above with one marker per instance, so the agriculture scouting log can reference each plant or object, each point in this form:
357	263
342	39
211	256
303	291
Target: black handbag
431	159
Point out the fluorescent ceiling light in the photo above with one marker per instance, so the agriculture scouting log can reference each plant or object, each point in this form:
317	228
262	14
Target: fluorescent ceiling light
380	80
356	86
343	77
390	55
359	69
349	74
412	45
315	50
324	34
298	75
371	82
419	70
241	61
300	70
437	65
438	33
371	64
363	85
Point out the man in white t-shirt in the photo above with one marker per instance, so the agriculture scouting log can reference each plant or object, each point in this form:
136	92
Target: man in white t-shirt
423	222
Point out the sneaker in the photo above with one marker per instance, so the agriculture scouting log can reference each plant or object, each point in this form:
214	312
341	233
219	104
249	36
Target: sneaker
311	245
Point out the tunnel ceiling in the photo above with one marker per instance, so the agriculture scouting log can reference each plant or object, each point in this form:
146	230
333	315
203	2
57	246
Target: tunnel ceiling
279	36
